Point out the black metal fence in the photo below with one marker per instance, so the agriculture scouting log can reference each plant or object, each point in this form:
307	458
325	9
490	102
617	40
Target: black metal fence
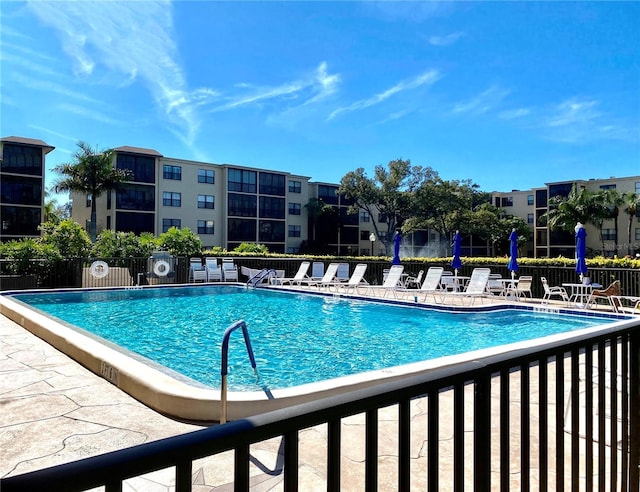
75	272
565	416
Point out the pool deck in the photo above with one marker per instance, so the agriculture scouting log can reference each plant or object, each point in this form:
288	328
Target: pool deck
53	411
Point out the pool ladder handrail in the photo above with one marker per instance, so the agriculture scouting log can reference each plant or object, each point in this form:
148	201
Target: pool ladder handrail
257	279
224	366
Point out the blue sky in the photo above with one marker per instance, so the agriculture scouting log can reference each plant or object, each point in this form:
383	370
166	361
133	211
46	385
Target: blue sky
511	95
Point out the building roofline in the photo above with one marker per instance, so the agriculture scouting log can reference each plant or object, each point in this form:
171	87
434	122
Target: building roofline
137	150
29	141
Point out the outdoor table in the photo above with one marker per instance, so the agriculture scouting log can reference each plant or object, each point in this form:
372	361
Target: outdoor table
580	293
459	282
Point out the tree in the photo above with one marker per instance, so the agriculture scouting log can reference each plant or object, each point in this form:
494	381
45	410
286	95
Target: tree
608	203
388	194
632	205
180	242
315	208
565	212
91	172
70	239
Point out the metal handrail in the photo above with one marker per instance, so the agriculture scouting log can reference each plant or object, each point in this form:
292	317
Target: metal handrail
224	366
261	275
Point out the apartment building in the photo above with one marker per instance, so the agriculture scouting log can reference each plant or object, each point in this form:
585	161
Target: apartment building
531	206
22	187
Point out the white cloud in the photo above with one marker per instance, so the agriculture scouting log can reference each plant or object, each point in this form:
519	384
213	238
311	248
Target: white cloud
445	40
132	40
426	78
512	114
91	114
482	103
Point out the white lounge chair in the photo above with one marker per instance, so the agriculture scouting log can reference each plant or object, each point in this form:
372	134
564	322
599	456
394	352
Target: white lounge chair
477	286
355	281
327	278
300	275
197	271
214	271
229	270
343	272
555	291
317	270
391	283
431	284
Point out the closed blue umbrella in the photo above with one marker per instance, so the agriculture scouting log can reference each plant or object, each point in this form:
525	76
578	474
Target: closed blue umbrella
456	262
396	248
513	251
581	250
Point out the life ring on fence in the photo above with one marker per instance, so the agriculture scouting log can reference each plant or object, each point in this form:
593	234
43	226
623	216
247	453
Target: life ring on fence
99	269
161	268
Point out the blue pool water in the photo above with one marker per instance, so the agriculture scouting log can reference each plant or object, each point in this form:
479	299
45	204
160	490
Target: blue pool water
296	338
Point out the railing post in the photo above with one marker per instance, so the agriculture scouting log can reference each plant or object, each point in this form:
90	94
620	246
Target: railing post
482	433
634	411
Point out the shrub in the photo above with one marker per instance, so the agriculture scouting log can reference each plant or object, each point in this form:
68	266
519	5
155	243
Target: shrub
180	242
251	248
67	236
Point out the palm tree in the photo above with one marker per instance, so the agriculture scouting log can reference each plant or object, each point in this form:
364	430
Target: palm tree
632	203
315	208
92	173
565	212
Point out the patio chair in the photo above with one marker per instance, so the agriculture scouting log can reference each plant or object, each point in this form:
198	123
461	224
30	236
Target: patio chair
523	288
229	270
614	289
447	282
412	281
317	270
555	291
391	282
477	286
300	275
214	271
495	285
343	272
197	271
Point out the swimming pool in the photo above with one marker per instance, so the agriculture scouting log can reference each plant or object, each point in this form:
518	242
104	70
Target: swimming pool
299	339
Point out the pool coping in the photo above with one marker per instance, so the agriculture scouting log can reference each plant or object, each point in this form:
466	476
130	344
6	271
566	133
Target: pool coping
184	399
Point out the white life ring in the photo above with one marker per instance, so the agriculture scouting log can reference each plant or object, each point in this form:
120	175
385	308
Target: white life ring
161	268
99	269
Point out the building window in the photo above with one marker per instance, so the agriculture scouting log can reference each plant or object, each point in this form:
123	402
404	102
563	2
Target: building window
205	227
89	200
136	197
271	184
271	207
170	199
529	218
142	167
206	201
241	180
609	234
296	187
364	235
608	187
328	194
21	159
241	230
172	172
169	223
638	234
529	199
295	208
206	176
292	250
382	218
294	231
242	205
507	201
364	216
271	231
21	190
637	186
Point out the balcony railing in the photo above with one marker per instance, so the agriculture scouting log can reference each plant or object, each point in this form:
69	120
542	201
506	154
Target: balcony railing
564	416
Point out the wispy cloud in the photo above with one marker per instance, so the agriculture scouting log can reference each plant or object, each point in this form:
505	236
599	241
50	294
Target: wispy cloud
482	103
91	114
132	40
512	114
445	40
54	133
580	120
426	78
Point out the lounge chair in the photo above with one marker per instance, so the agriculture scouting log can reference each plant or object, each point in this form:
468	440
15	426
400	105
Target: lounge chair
343	272
431	284
477	286
555	291
229	270
214	271
355	281
197	270
327	278
300	275
391	282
